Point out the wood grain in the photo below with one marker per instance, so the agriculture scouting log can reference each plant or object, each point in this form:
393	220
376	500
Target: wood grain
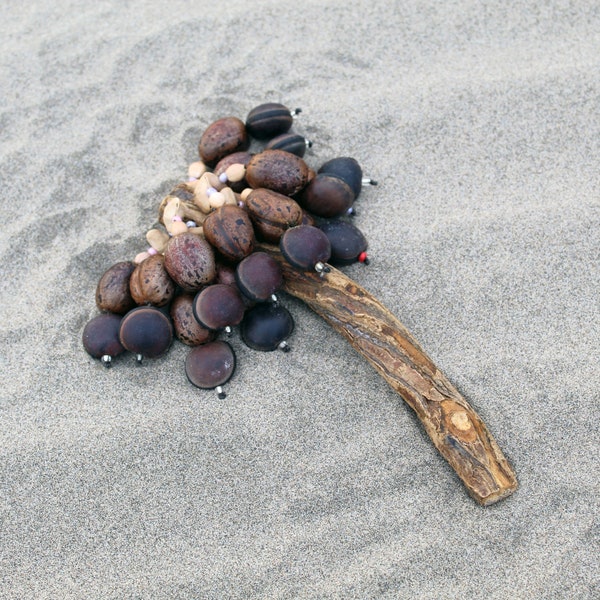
455	428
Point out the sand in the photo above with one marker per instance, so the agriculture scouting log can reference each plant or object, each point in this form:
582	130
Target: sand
312	479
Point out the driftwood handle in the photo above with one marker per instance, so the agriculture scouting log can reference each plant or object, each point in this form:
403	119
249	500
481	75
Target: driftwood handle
454	427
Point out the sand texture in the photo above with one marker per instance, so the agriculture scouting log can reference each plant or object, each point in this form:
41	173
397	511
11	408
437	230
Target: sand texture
312	479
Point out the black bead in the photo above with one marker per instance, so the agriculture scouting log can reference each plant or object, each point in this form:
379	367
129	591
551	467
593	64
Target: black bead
266	326
347	241
268	120
347	169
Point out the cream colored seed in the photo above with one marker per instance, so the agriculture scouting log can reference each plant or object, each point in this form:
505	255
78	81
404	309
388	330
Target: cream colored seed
235	172
172	209
141	257
229	195
196	231
197	169
157	239
178	227
245	193
216	200
201	200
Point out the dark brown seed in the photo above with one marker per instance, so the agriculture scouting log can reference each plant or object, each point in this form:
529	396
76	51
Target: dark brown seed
190	261
150	283
259	276
146	331
187	328
272	213
230	231
101	336
327	196
112	292
221	138
277	170
210	365
225	274
218	306
305	246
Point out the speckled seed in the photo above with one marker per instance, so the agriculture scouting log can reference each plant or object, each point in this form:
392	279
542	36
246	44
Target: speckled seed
190	261
272	213
277	170
221	138
230	231
150	283
147	331
112	292
187	328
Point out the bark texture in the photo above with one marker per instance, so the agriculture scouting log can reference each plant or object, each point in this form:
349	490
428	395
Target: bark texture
457	431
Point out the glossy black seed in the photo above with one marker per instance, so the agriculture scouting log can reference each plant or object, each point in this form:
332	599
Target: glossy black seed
290	142
210	365
146	331
265	326
268	120
304	246
101	336
347	241
258	276
347	169
218	306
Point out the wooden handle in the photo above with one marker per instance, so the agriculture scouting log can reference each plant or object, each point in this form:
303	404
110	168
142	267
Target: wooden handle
454	427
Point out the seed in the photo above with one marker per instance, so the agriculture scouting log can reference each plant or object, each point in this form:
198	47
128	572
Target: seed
218	306
266	326
146	331
210	365
112	292
101	337
258	276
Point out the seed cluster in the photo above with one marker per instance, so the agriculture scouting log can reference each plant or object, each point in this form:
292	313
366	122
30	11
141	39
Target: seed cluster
204	272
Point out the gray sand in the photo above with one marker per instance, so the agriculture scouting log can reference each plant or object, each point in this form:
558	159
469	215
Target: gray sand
312	479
